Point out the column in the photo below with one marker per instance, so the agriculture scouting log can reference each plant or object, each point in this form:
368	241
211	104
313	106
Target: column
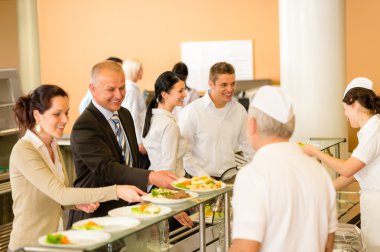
28	44
312	63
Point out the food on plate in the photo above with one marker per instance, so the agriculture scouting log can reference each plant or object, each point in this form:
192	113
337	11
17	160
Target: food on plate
163	193
146	209
57	239
199	183
90	225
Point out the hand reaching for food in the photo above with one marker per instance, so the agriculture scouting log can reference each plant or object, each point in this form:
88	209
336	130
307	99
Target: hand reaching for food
129	193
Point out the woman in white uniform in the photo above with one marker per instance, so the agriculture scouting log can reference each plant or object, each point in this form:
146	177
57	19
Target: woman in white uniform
161	134
362	107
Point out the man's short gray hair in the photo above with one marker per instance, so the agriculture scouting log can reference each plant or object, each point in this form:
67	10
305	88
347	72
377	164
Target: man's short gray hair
269	126
107	64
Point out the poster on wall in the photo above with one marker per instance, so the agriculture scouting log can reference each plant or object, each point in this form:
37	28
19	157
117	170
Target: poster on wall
200	56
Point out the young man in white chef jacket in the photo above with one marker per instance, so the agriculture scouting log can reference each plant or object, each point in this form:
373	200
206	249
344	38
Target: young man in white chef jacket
283	200
214	126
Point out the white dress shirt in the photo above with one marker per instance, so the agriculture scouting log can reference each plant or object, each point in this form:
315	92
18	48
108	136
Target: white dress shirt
285	200
134	101
164	143
214	136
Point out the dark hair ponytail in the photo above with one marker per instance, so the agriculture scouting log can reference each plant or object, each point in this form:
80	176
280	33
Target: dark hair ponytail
164	83
365	97
23	114
40	100
152	104
376	104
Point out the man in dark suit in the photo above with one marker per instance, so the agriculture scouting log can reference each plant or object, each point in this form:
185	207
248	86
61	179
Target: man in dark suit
101	157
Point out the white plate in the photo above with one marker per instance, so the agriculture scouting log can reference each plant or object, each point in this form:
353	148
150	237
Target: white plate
174	184
111	224
79	239
127	211
150	198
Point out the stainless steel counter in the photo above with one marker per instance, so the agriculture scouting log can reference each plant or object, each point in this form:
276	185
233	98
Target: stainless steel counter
124	238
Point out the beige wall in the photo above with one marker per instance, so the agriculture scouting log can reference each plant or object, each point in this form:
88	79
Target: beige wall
74	35
8	34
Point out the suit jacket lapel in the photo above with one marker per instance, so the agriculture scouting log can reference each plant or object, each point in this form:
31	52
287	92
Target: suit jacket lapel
106	127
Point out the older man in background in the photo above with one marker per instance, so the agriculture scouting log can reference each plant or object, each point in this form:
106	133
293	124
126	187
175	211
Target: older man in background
283	200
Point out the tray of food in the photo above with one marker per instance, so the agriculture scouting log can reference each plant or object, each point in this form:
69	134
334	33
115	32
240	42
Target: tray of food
74	239
199	184
140	211
106	224
167	196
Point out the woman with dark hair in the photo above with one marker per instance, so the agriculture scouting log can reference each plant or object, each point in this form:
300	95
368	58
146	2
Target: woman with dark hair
180	68
161	134
362	108
37	172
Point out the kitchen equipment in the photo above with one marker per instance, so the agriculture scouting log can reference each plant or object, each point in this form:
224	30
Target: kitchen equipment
348	238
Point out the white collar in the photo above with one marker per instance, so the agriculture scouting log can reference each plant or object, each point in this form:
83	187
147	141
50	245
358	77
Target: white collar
158	111
369	126
36	141
207	101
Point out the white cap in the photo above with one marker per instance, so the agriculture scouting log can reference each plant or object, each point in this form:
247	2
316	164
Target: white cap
359	82
273	102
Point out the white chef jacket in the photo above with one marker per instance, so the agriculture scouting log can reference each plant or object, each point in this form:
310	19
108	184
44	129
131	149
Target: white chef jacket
285	200
164	143
213	135
368	151
134	101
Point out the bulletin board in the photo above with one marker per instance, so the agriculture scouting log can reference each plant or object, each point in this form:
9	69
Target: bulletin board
200	56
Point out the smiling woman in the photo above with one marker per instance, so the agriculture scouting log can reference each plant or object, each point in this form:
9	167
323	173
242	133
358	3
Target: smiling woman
37	173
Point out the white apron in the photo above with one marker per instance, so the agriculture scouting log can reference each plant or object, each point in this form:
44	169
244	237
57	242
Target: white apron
370	218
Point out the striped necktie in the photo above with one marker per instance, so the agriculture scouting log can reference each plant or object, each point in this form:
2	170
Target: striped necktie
120	137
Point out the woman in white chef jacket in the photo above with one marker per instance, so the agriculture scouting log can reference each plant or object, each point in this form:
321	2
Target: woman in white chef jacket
362	107
134	100
161	135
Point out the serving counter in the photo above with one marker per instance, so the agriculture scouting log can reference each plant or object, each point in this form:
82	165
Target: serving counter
137	238
205	236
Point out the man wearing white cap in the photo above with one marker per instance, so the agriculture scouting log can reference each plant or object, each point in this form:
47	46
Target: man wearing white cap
362	107
283	200
214	126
